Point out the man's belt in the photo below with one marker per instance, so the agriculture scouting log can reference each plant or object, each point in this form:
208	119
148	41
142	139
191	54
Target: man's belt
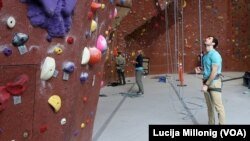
215	89
218	76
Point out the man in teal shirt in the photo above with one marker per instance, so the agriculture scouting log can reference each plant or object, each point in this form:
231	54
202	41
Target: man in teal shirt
212	64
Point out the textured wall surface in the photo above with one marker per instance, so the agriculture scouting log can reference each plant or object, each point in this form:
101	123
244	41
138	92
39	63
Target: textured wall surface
33	119
228	20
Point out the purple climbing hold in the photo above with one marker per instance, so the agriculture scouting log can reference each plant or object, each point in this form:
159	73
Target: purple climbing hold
87	34
69	67
84	76
92	114
7	51
69	8
122	2
53	15
111	1
49	6
76	133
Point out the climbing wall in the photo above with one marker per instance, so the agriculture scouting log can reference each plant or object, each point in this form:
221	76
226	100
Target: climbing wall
42	99
227	20
219	18
140	12
240	33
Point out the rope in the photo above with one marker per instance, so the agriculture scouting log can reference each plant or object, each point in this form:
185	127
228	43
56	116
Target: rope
175	36
182	32
169	50
166	22
200	29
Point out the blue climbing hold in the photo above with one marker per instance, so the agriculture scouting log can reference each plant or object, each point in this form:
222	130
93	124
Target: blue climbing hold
69	67
84	76
87	34
7	51
122	2
111	1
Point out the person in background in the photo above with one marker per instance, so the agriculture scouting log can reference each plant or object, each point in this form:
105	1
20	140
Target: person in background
212	84
139	71
120	67
200	56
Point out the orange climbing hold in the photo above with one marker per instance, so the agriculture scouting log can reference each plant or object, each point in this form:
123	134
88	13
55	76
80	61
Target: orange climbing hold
95	6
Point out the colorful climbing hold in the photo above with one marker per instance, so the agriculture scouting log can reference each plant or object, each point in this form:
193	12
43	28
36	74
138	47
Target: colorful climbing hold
87	34
25	134
83	125
11	22
17	87
70	40
19	39
55	102
58	50
68	67
90	15
102	83
106	32
101	43
85	99
95	56
115	13
94	6
124	3
63	121
43	128
48	68
85	56
88	121
93	26
7	51
84	76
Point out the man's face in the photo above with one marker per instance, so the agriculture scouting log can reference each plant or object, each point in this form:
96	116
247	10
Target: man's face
209	41
139	51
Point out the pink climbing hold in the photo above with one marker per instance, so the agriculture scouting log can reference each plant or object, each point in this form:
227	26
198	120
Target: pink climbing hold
101	43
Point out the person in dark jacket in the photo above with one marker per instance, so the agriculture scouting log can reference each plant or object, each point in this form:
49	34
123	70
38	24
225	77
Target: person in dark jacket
139	71
120	66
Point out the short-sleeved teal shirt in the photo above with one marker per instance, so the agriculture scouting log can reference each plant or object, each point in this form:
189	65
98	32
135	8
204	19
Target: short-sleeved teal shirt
212	57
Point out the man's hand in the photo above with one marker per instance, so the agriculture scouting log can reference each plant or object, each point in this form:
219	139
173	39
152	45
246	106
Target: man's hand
204	88
198	70
134	62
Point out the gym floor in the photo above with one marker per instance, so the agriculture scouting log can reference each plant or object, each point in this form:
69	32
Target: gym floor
122	115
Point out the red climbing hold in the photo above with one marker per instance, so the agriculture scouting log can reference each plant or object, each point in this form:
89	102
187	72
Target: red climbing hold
4	98
43	128
18	87
70	40
90	15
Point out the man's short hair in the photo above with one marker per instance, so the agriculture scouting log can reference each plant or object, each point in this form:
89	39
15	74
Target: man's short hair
215	41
